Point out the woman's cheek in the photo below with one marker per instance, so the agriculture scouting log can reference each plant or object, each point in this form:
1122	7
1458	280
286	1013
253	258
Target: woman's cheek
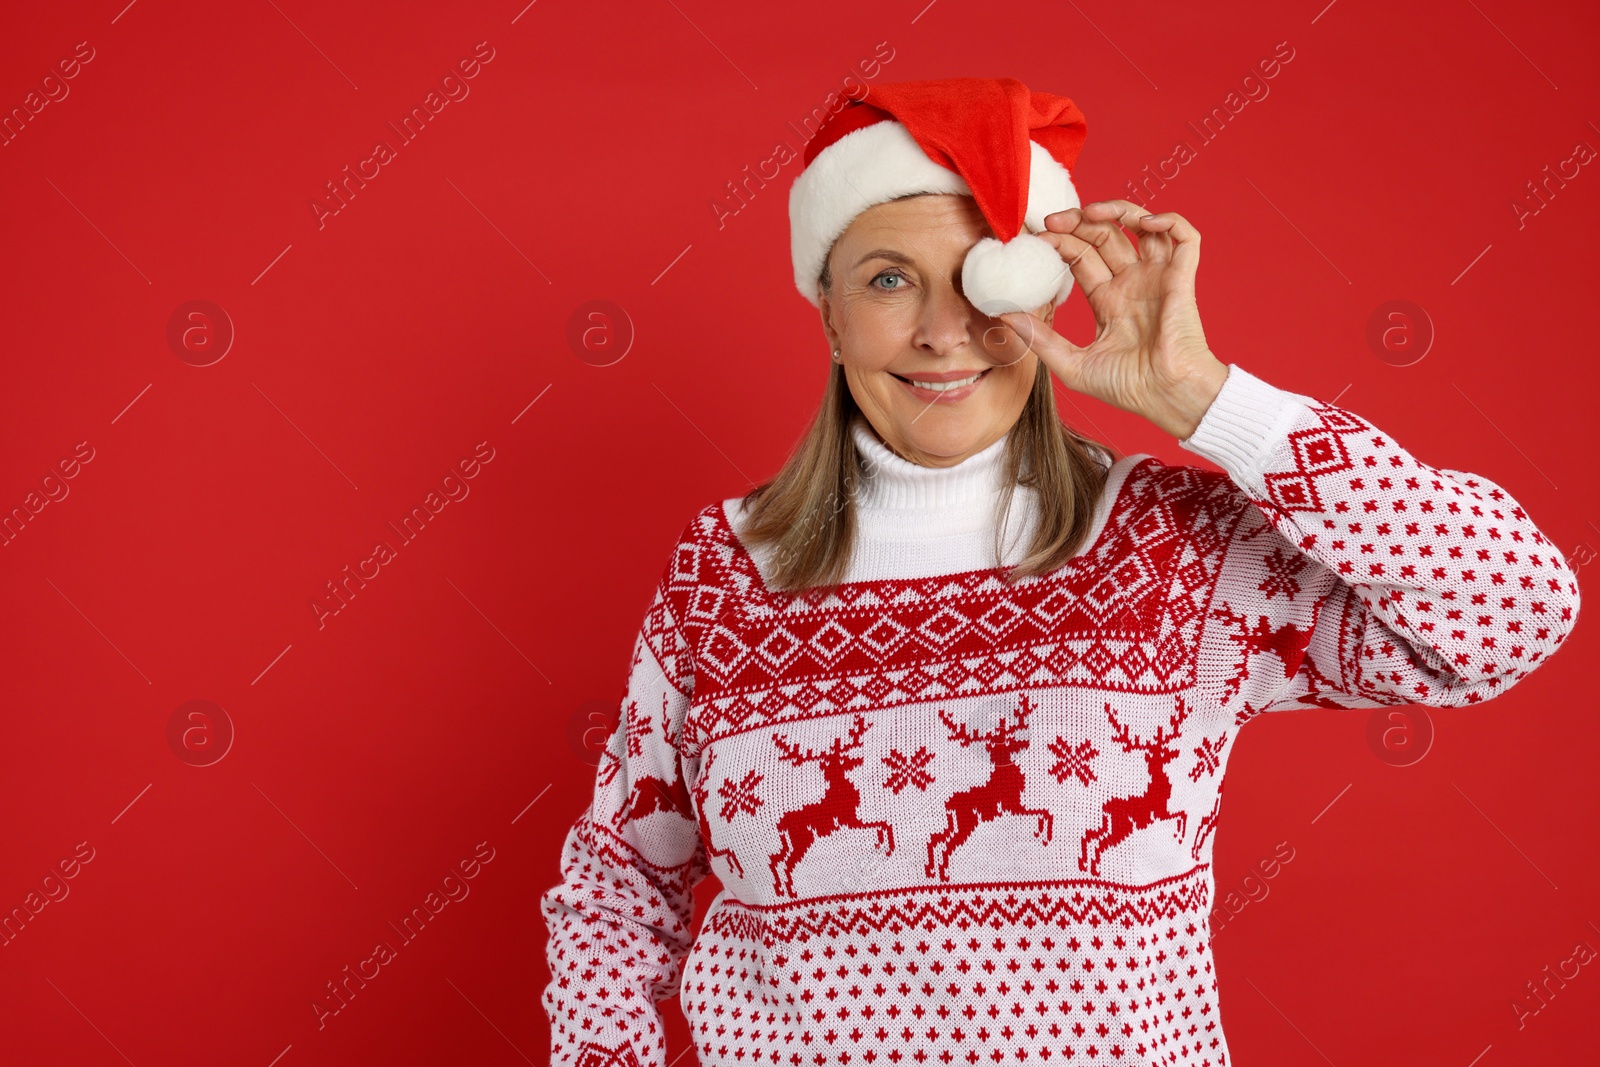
1022	378
890	329
867	319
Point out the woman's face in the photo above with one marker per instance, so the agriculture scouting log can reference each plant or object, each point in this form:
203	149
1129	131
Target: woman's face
895	312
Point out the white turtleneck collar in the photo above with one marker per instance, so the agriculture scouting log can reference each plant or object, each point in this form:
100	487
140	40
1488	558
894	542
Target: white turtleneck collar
914	521
890	483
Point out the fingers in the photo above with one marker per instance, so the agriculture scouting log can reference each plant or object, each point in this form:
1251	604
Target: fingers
1101	223
1097	223
1184	240
1082	258
1025	332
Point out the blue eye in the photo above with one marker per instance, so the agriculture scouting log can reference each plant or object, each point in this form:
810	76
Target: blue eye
890	274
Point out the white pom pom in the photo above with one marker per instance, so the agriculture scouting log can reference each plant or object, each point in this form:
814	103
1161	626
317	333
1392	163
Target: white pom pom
1022	274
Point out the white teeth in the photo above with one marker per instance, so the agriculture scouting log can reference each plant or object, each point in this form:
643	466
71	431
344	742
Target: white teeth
940	387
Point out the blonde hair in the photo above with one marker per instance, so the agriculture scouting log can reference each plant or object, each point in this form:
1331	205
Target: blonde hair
807	510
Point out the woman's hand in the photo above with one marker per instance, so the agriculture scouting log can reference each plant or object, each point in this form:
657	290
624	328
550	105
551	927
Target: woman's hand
1149	355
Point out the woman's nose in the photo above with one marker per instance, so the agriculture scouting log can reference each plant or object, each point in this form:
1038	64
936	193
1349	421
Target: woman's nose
947	320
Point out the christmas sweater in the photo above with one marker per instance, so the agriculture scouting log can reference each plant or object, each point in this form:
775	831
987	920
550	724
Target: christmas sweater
959	821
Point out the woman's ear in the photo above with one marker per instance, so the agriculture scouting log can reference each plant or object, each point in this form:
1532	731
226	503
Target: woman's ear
825	307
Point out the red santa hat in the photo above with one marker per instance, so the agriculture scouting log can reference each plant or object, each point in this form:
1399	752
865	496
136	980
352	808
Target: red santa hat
1010	149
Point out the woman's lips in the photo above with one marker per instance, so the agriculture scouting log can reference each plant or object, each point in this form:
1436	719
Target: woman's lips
929	396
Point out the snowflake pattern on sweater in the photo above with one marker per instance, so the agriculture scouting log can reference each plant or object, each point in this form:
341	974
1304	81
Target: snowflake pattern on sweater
957	821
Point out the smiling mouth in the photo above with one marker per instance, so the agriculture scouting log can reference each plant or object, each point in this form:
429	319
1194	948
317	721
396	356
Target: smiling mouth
941	387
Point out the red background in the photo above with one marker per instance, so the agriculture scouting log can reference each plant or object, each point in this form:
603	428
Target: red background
374	352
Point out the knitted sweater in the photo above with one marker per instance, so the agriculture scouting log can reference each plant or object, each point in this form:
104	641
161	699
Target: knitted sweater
959	821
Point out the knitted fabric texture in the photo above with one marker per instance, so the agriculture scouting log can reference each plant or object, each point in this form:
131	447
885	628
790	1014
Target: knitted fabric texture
961	822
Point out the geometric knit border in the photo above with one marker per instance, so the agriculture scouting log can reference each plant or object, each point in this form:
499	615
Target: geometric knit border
1063	904
1124	614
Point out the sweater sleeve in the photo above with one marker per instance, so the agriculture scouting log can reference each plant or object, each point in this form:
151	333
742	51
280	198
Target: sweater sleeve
1362	577
619	921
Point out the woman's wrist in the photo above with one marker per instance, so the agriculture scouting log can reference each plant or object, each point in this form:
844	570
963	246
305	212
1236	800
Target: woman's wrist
1183	406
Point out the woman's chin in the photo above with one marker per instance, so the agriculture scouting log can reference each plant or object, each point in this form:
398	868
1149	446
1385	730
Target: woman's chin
941	439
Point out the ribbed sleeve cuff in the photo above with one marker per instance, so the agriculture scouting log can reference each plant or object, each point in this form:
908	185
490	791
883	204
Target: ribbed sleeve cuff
1244	425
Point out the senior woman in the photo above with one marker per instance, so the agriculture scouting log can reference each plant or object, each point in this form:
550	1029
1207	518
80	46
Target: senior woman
946	704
